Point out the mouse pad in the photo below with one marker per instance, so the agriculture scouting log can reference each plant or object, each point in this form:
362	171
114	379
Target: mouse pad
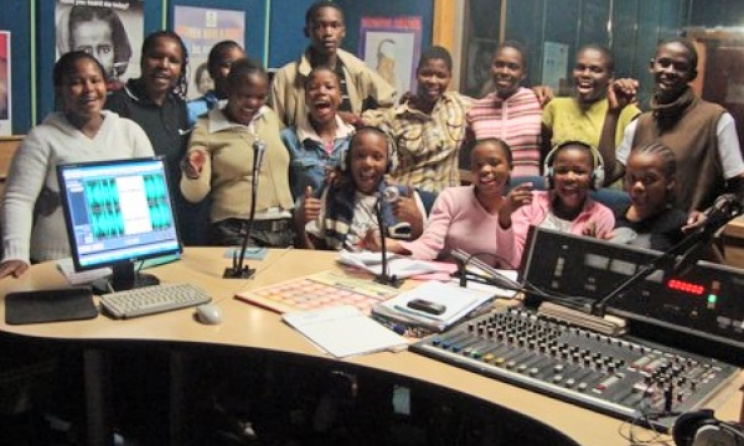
31	307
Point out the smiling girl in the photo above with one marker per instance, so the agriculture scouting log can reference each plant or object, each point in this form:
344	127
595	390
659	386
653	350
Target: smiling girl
155	102
220	161
428	128
475	218
566	206
80	131
346	211
317	144
511	113
599	110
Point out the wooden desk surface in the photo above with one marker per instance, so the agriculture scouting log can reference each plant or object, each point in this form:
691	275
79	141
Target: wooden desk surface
251	327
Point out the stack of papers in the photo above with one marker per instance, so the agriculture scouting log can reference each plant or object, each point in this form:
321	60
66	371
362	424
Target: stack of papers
458	304
344	331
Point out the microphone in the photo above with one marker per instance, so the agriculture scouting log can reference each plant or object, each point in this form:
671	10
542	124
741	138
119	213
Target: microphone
402	230
384	277
238	269
390	194
685	253
259	149
724	209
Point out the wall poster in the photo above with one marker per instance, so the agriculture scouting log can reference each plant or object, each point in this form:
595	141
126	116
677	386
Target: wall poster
392	46
200	29
6	122
555	67
110	30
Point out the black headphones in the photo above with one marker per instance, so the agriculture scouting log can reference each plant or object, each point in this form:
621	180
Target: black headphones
702	428
345	164
598	174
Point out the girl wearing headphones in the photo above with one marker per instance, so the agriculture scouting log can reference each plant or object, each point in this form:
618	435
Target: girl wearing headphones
347	208
572	170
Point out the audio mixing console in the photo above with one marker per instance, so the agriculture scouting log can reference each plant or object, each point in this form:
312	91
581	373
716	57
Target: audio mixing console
623	378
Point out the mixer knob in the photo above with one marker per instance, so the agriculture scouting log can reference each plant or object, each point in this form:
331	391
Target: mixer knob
570	382
581	387
522	368
557	378
533	371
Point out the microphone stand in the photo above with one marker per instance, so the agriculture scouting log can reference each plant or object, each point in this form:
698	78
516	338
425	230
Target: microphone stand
384	277
686	249
239	270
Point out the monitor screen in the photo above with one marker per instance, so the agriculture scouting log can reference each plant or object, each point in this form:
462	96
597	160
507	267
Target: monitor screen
118	212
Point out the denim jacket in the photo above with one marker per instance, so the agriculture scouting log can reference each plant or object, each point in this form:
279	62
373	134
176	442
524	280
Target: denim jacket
309	159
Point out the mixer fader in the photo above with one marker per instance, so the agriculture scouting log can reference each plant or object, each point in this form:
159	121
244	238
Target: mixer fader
624	378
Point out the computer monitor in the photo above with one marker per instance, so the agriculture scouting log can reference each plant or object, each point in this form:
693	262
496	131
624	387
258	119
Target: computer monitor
118	213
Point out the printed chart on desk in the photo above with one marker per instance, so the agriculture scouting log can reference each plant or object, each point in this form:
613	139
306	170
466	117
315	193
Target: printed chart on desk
326	289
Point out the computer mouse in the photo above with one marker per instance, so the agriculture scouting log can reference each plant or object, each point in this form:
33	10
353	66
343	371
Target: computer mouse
209	314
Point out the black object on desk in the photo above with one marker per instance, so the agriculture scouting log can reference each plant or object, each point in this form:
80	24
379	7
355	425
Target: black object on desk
31	307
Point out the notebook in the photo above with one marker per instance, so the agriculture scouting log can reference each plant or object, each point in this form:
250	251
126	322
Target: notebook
344	331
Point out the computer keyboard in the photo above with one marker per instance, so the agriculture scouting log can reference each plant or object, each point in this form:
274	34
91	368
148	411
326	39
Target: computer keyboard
153	299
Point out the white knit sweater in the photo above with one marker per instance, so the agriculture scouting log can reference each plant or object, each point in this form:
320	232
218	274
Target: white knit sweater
55	141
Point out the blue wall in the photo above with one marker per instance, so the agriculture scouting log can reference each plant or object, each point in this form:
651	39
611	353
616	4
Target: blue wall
15	16
286	39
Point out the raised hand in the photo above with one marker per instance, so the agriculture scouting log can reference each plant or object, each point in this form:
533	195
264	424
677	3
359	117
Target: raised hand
519	196
405	207
310	207
622	92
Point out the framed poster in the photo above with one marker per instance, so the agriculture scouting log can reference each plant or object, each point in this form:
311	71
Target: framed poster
200	29
6	103
392	46
112	31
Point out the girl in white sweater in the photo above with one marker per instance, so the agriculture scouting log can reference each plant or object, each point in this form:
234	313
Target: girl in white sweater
33	226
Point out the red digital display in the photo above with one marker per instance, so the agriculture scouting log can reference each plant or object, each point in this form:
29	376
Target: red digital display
686	287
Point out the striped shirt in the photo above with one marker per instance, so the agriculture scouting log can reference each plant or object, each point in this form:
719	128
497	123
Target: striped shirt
516	120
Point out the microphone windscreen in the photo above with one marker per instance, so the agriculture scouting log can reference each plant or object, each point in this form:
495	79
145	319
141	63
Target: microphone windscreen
259	148
391	194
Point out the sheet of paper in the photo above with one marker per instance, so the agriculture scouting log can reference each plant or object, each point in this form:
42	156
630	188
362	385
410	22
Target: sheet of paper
401	267
344	331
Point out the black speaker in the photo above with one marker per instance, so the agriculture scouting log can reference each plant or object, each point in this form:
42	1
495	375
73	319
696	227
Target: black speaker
701	428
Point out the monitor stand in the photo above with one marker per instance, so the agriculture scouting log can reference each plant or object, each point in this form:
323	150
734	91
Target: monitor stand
124	277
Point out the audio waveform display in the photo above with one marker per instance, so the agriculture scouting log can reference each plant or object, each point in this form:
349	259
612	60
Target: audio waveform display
105	208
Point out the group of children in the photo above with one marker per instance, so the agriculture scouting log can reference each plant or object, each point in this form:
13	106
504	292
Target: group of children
325	176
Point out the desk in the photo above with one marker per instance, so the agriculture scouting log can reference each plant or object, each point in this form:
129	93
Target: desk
249	327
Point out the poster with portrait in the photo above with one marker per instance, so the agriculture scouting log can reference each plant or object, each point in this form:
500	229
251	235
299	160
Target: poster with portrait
112	31
6	123
200	29
392	46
